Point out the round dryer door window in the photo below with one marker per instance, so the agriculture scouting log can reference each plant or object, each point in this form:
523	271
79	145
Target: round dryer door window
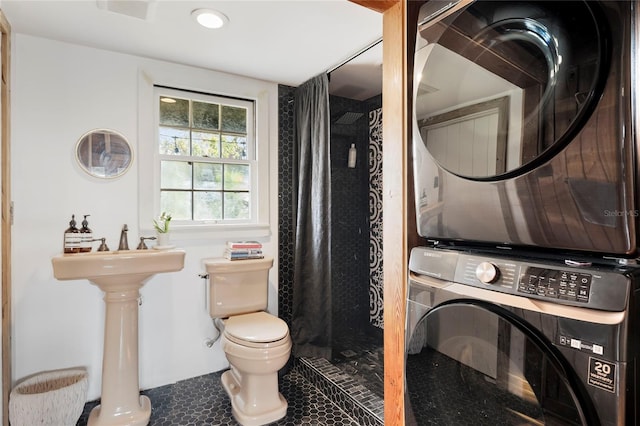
466	363
500	86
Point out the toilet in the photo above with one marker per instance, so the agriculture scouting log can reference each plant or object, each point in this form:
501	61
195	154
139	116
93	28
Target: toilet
256	343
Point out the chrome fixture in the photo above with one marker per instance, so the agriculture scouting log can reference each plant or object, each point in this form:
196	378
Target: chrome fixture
124	242
103	244
142	245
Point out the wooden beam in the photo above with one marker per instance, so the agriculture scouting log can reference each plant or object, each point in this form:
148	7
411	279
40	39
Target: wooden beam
5	225
377	5
394	184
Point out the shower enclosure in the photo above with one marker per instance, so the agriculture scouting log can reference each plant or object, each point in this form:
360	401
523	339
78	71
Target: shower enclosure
356	260
356	293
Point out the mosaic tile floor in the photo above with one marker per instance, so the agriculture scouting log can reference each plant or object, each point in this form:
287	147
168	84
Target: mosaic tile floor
354	378
360	354
346	391
202	401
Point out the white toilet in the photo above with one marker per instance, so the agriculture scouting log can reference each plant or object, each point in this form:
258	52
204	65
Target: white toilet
256	343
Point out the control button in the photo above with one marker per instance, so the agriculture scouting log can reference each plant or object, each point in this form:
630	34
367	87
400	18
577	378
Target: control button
597	349
487	272
584	279
583	294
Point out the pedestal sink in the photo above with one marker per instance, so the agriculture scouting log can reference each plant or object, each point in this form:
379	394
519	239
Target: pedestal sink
120	275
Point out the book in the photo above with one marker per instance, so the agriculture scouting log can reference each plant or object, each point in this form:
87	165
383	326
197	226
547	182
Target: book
244	245
245	258
243	251
238	254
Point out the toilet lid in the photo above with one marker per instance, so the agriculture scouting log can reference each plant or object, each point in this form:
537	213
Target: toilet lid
257	327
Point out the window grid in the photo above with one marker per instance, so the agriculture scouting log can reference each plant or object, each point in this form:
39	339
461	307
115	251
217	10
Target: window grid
237	152
193	191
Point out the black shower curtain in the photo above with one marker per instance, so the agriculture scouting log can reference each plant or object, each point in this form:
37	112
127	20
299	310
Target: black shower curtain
311	315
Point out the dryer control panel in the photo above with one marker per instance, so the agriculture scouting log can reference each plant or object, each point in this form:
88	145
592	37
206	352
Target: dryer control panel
553	283
602	287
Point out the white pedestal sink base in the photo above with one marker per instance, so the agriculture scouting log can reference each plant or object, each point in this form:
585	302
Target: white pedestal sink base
136	418
120	275
121	403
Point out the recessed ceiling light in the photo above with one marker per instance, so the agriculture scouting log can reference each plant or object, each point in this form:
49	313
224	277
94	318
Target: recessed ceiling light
209	18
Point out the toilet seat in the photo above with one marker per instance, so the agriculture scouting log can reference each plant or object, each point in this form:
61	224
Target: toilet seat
256	330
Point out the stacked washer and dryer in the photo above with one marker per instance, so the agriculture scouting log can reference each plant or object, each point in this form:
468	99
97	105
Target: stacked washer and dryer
523	303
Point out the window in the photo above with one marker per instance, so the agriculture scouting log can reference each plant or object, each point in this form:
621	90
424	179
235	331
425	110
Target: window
207	157
245	209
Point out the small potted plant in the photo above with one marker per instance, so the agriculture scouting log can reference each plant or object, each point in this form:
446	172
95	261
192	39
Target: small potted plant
161	224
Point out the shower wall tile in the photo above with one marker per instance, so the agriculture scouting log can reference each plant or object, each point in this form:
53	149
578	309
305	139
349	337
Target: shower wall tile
349	215
375	218
286	186
354	305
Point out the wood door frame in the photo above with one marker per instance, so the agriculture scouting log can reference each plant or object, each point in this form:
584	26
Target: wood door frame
399	226
395	160
7	211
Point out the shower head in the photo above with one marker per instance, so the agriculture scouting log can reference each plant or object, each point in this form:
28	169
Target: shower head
349	117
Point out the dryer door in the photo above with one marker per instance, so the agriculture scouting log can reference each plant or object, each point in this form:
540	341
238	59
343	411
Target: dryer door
521	118
498	84
469	361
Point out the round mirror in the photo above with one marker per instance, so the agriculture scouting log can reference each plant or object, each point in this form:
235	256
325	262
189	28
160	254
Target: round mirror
104	153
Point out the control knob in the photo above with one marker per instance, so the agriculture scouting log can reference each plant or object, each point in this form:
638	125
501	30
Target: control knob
487	272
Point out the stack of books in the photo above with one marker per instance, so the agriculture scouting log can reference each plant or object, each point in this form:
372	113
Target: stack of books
241	250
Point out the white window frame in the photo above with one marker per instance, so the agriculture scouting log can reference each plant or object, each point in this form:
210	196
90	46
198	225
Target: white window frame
160	92
149	159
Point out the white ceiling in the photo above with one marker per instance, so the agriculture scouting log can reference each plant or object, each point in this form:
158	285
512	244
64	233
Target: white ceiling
286	42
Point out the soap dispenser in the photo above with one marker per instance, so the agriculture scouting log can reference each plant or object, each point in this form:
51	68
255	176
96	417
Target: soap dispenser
351	161
72	237
86	236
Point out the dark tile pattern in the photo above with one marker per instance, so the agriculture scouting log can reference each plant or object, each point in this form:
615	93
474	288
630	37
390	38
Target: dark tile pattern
202	401
350	209
357	313
375	218
286	219
349	216
360	354
341	388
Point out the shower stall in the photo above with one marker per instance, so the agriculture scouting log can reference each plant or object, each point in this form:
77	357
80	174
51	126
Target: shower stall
356	293
356	242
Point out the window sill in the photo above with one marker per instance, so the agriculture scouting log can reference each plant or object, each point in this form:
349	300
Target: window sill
226	231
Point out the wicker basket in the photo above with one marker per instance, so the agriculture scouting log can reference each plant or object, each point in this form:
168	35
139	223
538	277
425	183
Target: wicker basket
54	398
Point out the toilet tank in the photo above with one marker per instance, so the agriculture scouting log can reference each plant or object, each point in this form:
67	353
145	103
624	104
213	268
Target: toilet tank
237	286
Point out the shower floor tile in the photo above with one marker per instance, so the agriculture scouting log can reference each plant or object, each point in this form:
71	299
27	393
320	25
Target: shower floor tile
202	401
360	355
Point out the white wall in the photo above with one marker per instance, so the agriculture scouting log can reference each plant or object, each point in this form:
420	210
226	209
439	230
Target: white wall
60	91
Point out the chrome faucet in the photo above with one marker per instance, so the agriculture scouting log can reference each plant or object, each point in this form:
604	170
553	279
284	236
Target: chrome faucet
124	242
142	245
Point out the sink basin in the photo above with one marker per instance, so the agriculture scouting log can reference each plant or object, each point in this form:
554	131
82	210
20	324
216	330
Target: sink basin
120	275
115	268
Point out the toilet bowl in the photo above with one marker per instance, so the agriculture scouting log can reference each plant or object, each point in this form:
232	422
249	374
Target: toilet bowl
256	345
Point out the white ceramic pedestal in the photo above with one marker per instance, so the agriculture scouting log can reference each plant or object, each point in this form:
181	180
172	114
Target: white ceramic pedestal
120	275
121	402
